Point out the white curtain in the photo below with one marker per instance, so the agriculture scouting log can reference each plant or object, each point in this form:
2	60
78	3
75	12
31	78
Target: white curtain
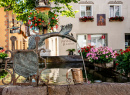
117	11
111	11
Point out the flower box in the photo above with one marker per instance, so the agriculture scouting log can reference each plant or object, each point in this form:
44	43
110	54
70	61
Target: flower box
104	65
111	19
86	19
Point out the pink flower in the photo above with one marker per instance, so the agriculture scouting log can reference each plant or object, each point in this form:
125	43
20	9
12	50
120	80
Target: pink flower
106	56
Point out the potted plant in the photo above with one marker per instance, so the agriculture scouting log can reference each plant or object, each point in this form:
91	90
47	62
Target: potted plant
123	61
120	18
86	18
70	51
3	73
85	50
100	56
2	55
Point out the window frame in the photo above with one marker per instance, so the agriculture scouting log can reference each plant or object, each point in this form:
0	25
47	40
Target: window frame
85	8
120	11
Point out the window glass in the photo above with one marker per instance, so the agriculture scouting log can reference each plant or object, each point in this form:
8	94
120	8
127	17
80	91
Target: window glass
82	14
88	8
115	11
86	11
111	11
127	40
83	8
96	40
81	40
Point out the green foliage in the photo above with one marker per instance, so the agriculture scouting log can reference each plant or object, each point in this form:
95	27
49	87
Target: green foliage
123	61
22	8
70	50
3	55
53	19
3	73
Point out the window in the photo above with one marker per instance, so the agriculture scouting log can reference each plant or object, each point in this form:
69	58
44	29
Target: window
115	10
96	40
85	10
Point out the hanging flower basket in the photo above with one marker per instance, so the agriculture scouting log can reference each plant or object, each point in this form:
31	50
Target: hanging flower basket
37	19
111	19
86	18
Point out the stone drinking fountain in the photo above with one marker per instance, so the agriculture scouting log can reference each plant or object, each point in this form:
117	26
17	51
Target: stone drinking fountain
25	62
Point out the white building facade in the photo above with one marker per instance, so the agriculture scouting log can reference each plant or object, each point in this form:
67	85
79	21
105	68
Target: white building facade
114	34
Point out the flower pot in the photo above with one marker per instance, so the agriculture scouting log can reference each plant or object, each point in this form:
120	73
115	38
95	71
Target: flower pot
70	52
1	60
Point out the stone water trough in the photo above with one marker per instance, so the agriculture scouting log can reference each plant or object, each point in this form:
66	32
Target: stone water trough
84	89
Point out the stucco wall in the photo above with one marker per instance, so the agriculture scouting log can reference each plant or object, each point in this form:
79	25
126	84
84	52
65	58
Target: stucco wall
2	28
114	30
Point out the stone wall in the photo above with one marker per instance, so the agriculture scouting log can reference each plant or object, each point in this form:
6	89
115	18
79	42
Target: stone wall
86	89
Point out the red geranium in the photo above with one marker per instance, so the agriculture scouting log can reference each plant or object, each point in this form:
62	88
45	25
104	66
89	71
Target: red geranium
39	20
35	24
121	52
85	50
31	26
51	28
124	61
117	64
